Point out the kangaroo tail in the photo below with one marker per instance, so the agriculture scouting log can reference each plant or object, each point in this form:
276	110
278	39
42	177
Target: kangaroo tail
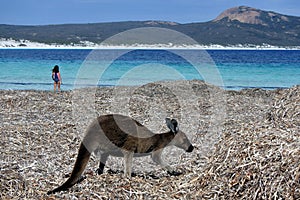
80	164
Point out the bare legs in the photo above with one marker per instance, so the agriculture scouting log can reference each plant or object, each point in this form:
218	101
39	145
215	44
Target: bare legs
57	85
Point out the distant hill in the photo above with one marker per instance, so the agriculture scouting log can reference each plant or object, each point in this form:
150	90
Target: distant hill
239	25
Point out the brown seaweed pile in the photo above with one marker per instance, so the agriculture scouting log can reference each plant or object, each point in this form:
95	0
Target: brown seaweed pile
247	143
286	109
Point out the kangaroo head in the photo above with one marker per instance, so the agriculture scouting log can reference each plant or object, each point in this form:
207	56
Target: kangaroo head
180	140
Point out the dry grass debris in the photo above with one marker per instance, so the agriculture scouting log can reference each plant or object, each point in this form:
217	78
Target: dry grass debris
256	156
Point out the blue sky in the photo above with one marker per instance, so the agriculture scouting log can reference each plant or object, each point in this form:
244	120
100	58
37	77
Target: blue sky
41	12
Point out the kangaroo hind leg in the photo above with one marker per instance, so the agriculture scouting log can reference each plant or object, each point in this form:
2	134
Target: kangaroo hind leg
103	159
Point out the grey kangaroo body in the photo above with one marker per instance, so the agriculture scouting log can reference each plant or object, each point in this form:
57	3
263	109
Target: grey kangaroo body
122	136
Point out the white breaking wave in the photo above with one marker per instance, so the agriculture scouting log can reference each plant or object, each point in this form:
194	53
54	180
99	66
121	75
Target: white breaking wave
11	43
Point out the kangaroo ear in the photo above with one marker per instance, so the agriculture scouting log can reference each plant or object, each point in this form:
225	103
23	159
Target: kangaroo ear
172	125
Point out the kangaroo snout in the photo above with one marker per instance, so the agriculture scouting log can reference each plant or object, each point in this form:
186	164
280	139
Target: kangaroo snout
190	149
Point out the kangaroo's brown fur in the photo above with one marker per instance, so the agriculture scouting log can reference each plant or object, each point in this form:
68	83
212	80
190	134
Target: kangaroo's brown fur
119	135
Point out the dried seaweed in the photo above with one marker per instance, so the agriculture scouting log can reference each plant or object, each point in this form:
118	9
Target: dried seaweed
286	109
256	156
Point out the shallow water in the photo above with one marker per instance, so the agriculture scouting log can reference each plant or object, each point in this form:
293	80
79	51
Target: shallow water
231	69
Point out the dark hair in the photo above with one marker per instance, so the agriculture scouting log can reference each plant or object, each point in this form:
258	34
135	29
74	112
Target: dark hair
55	69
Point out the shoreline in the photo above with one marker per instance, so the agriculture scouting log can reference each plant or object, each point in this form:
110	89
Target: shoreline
25	44
225	88
154	48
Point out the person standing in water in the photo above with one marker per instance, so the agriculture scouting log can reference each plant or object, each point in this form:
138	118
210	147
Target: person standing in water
56	78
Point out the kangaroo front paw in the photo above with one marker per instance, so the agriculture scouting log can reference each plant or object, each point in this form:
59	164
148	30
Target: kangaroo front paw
133	174
174	173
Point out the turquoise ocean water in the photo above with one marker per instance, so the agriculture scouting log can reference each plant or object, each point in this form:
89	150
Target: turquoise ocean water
24	69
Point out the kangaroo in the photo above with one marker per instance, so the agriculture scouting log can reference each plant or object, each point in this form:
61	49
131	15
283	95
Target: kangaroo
122	136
